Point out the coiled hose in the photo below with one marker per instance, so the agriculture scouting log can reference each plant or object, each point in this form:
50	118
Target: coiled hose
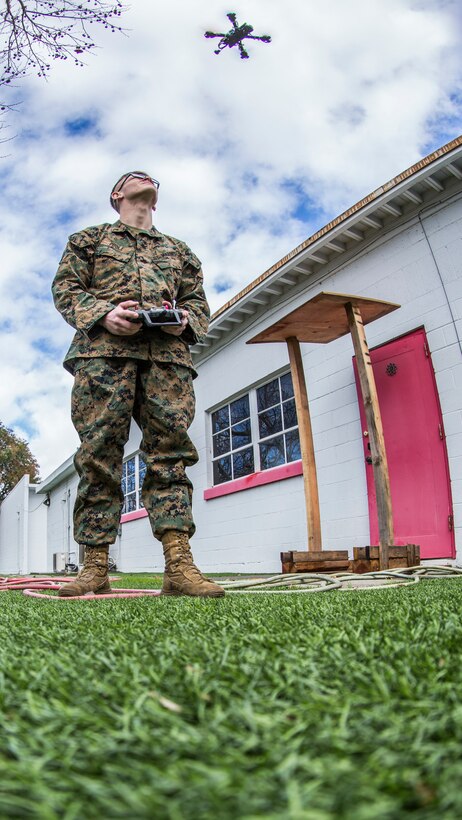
32	586
288	583
343	581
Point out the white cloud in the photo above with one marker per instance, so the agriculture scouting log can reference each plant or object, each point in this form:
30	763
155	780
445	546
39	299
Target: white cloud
253	155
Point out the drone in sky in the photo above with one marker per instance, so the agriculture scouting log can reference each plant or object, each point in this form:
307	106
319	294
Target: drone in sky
236	35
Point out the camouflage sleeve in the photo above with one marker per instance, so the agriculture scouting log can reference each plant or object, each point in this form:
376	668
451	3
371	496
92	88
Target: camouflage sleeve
71	285
191	296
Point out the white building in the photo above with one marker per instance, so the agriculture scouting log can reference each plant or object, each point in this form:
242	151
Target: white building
23	530
402	244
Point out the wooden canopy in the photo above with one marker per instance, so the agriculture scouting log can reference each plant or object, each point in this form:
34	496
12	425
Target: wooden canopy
320	320
323	319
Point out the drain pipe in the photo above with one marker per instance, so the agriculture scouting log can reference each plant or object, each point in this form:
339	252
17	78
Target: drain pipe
68	540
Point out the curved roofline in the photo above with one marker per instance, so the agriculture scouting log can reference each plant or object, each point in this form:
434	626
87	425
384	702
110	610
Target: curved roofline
367	200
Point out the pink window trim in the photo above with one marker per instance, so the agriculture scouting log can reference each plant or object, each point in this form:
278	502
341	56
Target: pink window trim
132	516
255	480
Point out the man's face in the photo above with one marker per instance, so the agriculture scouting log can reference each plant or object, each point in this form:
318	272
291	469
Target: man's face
135	185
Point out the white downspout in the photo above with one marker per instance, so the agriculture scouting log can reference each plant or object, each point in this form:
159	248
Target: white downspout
25	527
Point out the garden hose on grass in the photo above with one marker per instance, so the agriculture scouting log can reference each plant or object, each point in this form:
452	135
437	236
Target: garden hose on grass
343	581
287	583
33	586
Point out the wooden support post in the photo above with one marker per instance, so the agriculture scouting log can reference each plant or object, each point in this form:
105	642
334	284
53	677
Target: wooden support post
313	518
375	429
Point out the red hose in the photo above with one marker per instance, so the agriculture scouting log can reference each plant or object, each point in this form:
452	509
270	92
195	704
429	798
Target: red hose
31	582
29	585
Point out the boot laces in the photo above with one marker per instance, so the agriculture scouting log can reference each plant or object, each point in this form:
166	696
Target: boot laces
187	568
93	565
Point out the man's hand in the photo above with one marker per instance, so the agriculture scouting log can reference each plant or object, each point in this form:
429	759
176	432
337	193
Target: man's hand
118	322
175	331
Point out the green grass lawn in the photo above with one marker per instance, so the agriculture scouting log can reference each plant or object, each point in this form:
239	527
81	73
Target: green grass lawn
291	706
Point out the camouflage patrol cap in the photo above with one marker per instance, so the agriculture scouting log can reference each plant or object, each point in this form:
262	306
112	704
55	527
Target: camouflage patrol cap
120	182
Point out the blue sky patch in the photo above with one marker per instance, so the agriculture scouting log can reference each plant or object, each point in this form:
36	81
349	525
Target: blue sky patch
46	346
221	286
307	212
81	126
23	428
65	216
305	209
443	127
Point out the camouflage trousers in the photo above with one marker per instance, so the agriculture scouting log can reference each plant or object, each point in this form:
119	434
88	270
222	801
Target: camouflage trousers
107	394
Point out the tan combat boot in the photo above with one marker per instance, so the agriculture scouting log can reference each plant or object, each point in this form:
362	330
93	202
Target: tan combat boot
92	577
181	576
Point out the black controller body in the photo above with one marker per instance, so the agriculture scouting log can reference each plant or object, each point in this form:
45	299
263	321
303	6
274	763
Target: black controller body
159	316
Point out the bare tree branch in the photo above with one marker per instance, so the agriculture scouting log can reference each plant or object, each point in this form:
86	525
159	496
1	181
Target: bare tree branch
34	33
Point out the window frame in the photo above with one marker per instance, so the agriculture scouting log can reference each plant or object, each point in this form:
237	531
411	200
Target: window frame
283	431
259	476
139	508
231	452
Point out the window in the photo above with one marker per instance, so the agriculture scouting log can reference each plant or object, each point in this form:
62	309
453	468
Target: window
231	437
257	431
279	442
134	470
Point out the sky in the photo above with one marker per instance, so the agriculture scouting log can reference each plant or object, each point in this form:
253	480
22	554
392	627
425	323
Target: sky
253	156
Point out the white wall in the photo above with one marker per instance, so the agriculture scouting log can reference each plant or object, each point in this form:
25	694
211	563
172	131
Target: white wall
60	524
444	233
248	530
37	544
136	549
13	528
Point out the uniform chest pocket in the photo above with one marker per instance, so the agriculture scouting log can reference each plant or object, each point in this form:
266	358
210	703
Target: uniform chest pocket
166	263
163	276
110	262
111	252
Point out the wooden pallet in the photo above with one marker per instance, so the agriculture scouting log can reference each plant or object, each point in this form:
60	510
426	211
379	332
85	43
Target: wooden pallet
315	561
366	559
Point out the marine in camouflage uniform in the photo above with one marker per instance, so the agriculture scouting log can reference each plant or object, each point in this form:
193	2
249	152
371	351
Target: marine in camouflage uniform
123	370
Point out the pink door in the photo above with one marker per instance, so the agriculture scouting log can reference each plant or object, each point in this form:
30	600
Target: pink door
415	445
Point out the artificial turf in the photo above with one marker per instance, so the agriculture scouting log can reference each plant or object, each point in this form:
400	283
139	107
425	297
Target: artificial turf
289	706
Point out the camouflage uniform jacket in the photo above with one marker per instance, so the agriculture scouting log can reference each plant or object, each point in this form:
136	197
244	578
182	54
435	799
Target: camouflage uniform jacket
107	264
